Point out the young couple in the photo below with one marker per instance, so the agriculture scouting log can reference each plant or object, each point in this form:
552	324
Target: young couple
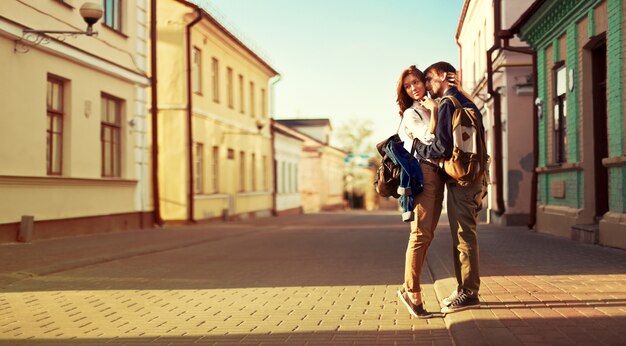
430	122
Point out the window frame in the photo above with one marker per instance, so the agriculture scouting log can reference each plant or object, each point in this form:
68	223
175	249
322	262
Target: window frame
242	171
229	87
559	115
115	128
253	171
116	12
215	78
198	165
242	103
252	103
196	70
215	168
263	103
51	115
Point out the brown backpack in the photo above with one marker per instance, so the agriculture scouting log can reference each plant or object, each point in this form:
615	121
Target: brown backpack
469	158
387	178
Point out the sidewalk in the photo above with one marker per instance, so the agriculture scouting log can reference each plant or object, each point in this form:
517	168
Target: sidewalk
323	279
536	289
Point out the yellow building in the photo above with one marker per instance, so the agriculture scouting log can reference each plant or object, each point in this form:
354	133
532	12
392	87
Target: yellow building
214	139
73	140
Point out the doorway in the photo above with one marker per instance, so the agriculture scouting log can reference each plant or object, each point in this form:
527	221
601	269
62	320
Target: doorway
600	134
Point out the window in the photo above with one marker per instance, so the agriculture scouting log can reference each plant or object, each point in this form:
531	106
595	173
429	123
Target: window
242	171
215	169
113	14
559	124
215	68
196	70
283	173
241	100
198	164
111	136
265	174
54	131
263	104
253	171
252	99
229	87
289	178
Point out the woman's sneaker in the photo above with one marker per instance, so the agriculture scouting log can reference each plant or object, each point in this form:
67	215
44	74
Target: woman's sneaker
417	311
462	302
449	299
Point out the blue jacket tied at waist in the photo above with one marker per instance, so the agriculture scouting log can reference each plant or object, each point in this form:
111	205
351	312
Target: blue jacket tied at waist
411	177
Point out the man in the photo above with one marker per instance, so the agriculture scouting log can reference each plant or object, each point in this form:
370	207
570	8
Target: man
463	202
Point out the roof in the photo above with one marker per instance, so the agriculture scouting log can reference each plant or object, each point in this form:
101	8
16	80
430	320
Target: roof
230	35
515	28
288	131
305	122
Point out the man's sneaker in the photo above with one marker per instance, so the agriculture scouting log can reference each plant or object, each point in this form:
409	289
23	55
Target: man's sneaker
449	299
417	311
462	302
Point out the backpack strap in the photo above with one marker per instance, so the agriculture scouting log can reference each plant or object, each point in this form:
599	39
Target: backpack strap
455	102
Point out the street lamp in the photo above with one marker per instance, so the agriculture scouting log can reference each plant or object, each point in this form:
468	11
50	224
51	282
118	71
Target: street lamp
91	13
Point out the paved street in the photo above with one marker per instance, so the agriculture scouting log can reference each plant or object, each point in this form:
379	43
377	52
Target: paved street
320	279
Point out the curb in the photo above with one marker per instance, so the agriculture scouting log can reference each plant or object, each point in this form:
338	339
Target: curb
469	327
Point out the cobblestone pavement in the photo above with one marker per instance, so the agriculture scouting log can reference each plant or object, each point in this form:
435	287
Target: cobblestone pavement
537	289
299	280
321	279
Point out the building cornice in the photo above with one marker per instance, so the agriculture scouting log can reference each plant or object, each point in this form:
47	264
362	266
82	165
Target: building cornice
549	20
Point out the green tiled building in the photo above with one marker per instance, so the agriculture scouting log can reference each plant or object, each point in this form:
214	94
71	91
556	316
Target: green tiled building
581	173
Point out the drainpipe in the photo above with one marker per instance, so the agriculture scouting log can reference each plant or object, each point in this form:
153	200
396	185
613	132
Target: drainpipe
497	115
533	181
272	113
460	58
274	175
155	111
190	203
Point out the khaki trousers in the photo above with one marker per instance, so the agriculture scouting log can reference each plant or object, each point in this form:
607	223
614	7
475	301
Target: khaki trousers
463	204
428	206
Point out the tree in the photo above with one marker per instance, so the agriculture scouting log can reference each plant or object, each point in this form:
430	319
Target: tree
353	137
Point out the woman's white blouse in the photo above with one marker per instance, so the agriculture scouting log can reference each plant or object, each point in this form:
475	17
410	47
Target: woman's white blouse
415	124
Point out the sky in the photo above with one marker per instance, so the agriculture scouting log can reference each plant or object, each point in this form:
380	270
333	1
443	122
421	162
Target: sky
341	59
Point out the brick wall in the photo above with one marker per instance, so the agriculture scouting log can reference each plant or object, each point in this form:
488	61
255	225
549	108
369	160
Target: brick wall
615	90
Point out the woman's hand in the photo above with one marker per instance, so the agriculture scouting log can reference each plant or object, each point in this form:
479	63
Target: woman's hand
452	80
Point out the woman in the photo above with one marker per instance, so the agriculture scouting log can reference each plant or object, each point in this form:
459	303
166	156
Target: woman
419	114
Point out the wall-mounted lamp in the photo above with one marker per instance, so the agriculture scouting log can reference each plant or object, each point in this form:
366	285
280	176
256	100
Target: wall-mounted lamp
91	13
539	105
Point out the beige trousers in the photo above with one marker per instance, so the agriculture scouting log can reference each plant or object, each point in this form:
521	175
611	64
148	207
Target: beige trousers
428	206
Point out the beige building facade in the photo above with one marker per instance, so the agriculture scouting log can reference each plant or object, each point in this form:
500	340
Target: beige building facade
321	174
288	145
73	134
499	76
214	137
